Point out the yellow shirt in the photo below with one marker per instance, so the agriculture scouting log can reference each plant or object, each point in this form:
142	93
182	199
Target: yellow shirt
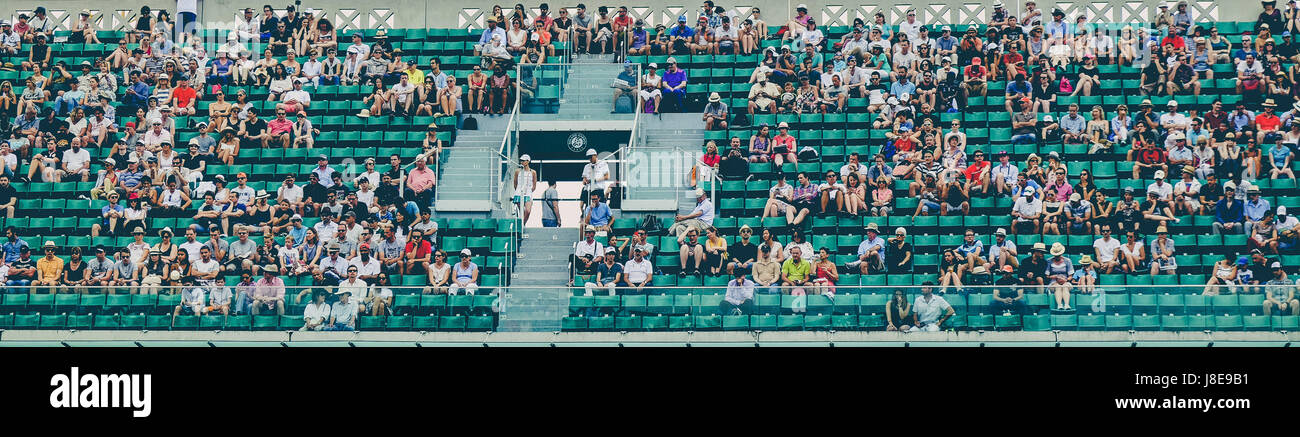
49	268
416	76
796	272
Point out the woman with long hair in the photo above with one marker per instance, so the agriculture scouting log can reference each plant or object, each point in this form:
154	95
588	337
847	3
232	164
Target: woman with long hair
950	270
378	98
856	193
228	146
897	311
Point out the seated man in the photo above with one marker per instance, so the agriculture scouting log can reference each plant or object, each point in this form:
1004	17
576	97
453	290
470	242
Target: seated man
597	216
929	312
715	113
1008	299
739	299
586	253
608	274
795	272
1279	296
871	252
192	302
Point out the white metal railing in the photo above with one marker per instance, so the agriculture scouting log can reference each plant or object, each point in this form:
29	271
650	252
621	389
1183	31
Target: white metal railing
633	137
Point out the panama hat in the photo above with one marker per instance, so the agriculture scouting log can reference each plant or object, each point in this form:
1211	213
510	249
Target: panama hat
1057	249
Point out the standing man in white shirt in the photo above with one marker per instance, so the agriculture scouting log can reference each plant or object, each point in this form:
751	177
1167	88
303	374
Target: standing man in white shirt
595	176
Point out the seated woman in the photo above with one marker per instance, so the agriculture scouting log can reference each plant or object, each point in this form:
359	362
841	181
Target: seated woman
1225	274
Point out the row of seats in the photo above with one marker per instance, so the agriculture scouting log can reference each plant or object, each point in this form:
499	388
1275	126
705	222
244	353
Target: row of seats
405	301
822	322
448	323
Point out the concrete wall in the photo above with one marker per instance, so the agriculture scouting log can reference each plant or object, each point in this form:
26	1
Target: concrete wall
455	14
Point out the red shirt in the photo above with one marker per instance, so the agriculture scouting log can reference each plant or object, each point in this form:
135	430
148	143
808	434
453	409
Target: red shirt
1267	121
184	95
277	126
1176	41
974	171
710	160
422	251
784	140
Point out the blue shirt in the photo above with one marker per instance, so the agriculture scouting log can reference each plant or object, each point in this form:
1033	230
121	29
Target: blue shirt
12	249
298	234
682	31
705	209
129	178
1279	153
1224	213
110	207
1256	210
600	215
1012	88
968	248
1073	124
899	88
878	243
140	89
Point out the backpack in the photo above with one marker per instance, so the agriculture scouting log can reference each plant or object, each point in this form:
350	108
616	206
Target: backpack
651	225
469	124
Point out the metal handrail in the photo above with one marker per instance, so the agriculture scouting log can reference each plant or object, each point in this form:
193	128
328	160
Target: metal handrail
633	136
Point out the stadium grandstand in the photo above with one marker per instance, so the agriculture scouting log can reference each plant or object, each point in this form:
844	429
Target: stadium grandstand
870	174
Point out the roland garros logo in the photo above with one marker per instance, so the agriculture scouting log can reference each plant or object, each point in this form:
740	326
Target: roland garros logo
577	142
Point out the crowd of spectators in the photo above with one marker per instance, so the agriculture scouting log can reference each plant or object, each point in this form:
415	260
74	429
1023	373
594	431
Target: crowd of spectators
121	111
1203	161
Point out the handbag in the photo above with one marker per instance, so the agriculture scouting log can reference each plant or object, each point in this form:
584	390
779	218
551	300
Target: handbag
1066	86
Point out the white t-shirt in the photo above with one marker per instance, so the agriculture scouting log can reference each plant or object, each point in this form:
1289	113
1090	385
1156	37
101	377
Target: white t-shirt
206	267
76	161
402	91
637	271
1106	249
290	194
193	248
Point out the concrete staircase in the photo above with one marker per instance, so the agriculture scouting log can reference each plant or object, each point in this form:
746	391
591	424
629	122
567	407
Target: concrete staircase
586	94
666	134
538	299
465	179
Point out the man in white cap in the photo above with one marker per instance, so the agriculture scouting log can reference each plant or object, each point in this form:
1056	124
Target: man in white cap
1288	230
608	274
1163	190
699	219
595	176
1002	252
1026	211
10	42
715	113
